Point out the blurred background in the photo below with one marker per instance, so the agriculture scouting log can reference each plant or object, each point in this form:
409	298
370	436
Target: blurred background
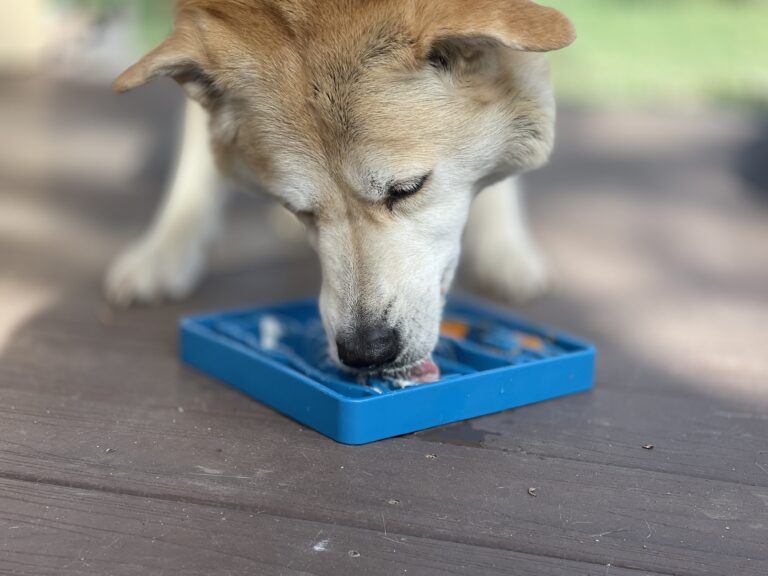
653	210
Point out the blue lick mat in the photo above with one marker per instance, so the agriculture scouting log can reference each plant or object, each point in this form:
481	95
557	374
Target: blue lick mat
490	361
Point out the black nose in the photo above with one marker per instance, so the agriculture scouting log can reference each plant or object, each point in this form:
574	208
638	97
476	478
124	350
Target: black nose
369	347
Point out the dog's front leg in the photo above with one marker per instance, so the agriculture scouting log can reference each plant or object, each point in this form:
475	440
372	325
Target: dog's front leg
500	256
170	258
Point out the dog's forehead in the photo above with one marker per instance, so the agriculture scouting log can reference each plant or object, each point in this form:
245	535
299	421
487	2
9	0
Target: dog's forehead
335	101
345	63
351	100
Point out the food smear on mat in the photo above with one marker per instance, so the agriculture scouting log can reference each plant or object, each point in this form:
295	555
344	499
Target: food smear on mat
457	329
500	339
302	346
464	348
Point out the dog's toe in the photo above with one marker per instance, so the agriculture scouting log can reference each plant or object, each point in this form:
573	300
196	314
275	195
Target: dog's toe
148	274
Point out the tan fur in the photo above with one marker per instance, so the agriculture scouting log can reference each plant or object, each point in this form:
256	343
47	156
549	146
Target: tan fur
326	103
318	60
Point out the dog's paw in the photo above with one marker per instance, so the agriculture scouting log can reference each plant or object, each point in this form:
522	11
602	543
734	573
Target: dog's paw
508	273
150	272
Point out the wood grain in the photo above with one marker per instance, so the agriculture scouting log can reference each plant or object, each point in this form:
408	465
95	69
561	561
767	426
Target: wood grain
586	512
55	531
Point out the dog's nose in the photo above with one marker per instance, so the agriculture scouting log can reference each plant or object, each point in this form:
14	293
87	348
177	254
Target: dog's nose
369	347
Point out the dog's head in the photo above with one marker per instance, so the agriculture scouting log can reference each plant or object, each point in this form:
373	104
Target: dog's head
376	122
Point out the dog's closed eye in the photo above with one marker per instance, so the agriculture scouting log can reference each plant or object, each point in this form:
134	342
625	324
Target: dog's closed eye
405	189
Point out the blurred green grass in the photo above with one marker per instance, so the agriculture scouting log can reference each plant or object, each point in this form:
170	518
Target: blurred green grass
155	17
629	52
647	52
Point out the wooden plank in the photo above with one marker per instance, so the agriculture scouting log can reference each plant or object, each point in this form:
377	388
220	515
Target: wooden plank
56	531
700	438
585	512
77	381
691	435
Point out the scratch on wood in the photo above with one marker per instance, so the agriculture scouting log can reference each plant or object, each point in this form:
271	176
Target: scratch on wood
115	541
321	546
601	534
210	471
222	476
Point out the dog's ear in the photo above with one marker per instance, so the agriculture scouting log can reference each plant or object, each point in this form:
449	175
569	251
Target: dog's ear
181	57
516	24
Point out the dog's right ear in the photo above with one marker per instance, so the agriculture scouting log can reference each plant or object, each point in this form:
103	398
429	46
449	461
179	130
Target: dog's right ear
181	57
516	24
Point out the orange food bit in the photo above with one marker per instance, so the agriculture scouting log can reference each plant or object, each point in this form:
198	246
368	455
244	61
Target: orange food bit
532	342
455	329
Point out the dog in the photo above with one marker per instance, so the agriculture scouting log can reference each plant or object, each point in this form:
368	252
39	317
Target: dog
378	124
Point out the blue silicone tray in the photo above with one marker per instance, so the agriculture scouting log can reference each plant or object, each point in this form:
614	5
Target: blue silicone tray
490	361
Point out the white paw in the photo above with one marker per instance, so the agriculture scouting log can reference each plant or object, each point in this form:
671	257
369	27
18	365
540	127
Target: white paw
508	272
150	272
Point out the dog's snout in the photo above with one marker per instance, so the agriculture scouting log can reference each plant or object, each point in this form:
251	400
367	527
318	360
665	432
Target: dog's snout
369	347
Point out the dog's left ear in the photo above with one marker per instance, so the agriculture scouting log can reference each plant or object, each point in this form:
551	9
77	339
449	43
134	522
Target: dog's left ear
181	57
516	24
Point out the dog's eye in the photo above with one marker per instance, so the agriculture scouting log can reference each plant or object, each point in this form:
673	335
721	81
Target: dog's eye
405	189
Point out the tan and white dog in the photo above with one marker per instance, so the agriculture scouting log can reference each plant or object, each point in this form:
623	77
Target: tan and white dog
377	123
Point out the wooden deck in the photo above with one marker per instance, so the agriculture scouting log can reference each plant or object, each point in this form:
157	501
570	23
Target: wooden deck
116	460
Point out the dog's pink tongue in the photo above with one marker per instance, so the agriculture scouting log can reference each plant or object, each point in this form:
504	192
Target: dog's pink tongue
425	372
